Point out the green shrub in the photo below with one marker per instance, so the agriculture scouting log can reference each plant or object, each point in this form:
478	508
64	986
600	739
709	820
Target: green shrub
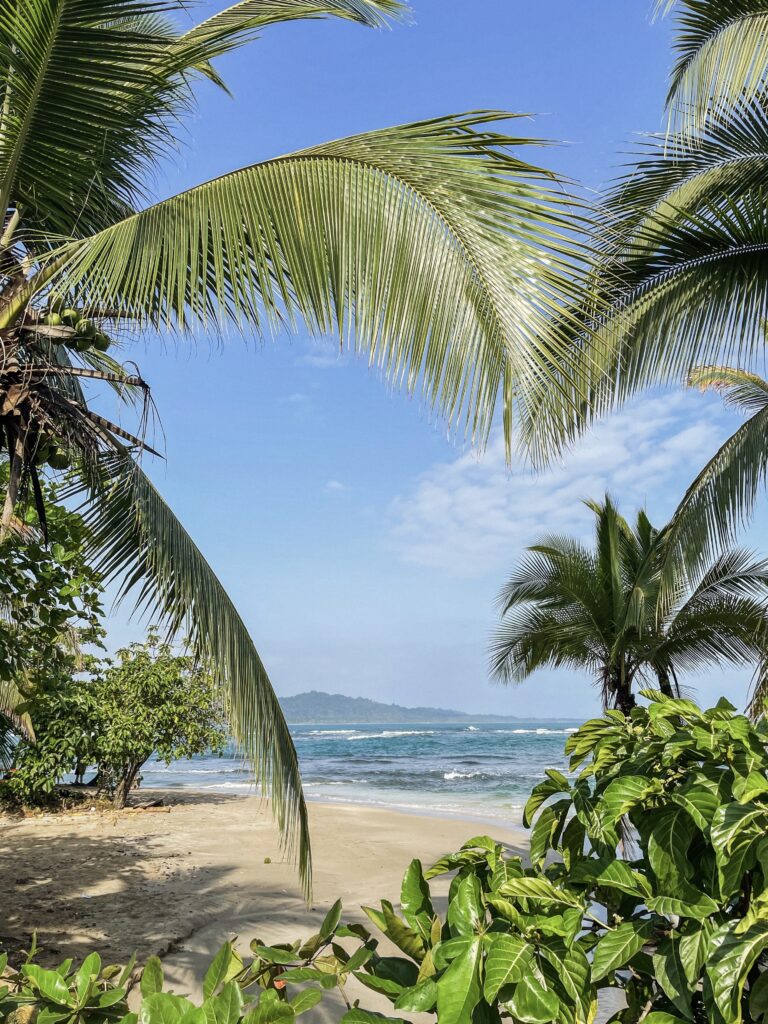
151	700
33	995
679	924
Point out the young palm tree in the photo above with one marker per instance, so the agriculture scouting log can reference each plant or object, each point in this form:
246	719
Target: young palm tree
429	247
568	605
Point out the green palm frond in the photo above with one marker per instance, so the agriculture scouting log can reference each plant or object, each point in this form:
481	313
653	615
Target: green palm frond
429	246
234	25
723	494
722	56
11	700
137	541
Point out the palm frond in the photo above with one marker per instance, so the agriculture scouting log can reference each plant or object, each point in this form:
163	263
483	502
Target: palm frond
722	56
137	541
11	700
722	496
236	24
428	246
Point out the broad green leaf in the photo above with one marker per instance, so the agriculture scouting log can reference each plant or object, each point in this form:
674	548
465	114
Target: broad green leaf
226	1006
539	888
162	1008
458	989
270	1010
415	901
555	782
733	954
89	970
668	844
688	902
465	910
617	947
217	973
736	831
405	938
509	959
421	998
50	983
306	1000
701	804
609	873
746	789
693	947
532	1002
274	955
331	920
670	974
548	825
621	795
152	977
111	997
572	969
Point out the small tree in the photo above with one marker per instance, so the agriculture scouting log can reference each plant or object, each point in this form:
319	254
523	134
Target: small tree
153	700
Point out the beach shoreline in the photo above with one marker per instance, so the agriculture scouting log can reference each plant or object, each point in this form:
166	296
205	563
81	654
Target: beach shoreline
179	880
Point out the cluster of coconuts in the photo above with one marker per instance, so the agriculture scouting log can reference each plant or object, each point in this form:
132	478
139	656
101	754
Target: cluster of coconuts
49	453
86	336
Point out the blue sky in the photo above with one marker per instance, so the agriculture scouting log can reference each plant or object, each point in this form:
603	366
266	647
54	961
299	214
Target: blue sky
363	547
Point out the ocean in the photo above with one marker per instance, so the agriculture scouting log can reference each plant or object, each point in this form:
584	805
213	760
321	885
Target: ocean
483	772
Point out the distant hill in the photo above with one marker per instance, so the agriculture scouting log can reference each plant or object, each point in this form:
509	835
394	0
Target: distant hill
317	708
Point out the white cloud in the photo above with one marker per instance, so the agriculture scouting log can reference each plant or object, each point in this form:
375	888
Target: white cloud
335	486
471	516
325	358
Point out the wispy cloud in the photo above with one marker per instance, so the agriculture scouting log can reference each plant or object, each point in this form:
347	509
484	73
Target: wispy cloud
334	486
326	358
470	516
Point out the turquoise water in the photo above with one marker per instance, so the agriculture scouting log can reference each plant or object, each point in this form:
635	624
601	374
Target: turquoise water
477	771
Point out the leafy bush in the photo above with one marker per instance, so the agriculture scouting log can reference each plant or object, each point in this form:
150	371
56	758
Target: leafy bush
63	996
679	924
151	700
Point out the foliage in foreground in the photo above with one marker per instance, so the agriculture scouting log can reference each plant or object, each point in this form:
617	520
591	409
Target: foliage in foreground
151	700
679	923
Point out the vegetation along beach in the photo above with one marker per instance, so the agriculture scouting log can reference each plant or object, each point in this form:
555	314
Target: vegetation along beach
383	551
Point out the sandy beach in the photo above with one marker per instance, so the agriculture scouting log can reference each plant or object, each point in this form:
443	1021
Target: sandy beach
179	881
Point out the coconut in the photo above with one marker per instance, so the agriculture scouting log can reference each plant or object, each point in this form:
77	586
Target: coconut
101	341
70	316
59	459
86	328
83	344
52	320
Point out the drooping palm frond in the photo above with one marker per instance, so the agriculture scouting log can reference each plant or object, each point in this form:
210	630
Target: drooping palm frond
722	56
226	29
723	494
428	246
92	93
138	541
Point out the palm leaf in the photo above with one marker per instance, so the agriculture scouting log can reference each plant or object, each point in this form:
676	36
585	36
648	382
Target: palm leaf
723	494
236	24
722	55
137	540
428	246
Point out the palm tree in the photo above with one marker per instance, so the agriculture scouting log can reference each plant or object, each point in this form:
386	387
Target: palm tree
598	609
430	247
680	267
